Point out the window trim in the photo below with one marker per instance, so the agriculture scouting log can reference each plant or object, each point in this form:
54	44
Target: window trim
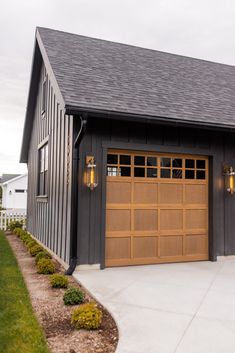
42	145
44	94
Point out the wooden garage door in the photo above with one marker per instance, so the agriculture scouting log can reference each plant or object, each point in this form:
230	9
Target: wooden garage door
156	208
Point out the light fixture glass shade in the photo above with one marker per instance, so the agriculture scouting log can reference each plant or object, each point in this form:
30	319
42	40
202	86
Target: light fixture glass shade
229	174
91	173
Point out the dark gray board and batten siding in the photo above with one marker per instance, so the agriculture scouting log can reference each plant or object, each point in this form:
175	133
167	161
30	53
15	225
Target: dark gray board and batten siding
49	219
107	133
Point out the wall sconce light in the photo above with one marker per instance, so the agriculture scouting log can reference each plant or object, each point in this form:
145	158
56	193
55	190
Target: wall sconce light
91	173
229	174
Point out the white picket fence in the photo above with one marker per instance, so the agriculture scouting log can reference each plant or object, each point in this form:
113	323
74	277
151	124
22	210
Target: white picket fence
8	216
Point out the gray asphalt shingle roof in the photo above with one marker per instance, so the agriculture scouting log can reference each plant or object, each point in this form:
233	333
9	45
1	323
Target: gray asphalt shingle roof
102	75
7	177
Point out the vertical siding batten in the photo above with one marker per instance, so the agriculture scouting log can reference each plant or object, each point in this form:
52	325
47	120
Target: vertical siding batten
69	186
61	182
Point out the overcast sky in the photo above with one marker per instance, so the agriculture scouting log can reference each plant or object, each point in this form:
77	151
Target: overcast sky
198	28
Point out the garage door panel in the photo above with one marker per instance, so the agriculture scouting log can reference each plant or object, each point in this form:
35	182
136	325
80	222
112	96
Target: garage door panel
158	216
145	193
171	246
118	192
196	219
171	219
118	220
196	194
145	247
170	193
196	244
145	220
118	248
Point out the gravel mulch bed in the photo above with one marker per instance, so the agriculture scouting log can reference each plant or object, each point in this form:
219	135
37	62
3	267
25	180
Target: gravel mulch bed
54	316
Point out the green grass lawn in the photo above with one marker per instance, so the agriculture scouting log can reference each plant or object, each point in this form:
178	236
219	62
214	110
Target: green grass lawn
19	329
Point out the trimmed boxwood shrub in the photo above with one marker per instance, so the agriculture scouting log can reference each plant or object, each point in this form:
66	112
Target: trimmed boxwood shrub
59	281
87	316
31	243
42	255
34	250
45	266
14	224
26	239
17	231
22	234
73	296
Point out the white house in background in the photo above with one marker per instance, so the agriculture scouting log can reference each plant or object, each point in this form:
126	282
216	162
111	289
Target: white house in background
14	193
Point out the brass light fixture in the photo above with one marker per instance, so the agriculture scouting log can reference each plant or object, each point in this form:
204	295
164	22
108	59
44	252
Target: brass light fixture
229	174
91	173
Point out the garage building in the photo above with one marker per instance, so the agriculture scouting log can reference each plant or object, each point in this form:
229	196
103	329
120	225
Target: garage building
130	153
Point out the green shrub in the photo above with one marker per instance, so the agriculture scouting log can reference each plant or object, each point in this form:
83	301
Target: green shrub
59	281
31	243
87	316
26	239
34	250
14	224
17	231
22	233
73	296
42	255
45	266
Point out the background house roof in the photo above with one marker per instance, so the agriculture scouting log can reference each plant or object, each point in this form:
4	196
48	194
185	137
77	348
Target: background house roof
6	177
99	75
14	178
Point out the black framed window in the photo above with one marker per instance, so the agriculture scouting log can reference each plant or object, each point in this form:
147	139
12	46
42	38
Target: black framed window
44	95
43	170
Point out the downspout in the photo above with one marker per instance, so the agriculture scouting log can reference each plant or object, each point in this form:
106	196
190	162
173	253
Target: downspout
74	196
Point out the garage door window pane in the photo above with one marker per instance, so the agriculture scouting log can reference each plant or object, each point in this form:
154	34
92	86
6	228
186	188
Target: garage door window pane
201	164
139	172
151	161
189	174
139	160
112	171
177	163
177	173
201	174
112	159
189	163
125	171
126	160
165	162
165	173
151	173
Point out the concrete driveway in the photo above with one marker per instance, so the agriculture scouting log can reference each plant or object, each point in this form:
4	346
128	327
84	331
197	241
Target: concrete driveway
170	308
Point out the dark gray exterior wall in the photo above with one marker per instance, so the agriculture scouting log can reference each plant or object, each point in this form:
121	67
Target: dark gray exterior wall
49	220
107	133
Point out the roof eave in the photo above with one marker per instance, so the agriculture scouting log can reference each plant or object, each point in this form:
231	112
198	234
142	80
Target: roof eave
74	110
